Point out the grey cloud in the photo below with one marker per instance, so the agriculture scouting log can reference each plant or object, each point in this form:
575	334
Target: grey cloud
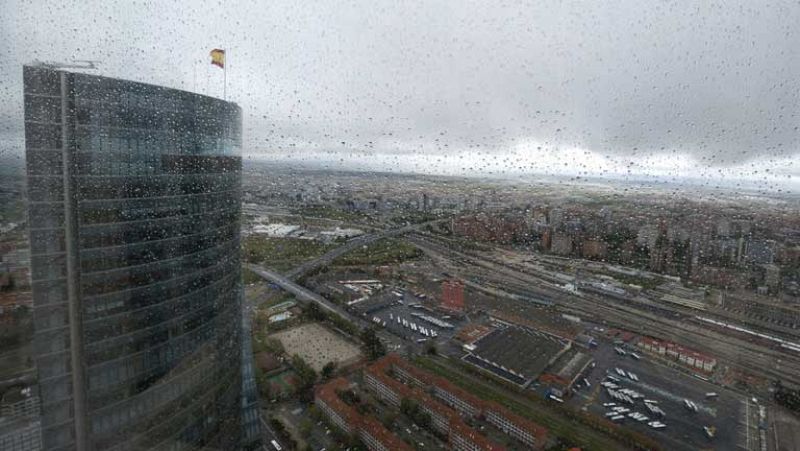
626	79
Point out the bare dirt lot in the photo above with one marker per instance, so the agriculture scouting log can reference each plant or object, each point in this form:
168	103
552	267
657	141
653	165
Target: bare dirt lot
318	345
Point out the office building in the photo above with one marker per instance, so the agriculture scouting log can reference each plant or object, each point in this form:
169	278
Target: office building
134	202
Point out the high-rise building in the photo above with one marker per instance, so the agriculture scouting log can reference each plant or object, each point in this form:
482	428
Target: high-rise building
134	204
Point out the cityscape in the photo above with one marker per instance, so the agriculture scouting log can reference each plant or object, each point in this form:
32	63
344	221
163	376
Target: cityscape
198	266
392	311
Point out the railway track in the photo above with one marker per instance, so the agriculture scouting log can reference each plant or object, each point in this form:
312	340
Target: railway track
733	351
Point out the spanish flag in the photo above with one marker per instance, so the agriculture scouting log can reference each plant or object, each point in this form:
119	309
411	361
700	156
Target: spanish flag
218	57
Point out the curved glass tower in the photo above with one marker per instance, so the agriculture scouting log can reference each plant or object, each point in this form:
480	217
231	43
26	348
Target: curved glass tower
134	195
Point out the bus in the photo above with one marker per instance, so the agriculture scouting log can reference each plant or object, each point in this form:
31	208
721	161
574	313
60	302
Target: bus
276	445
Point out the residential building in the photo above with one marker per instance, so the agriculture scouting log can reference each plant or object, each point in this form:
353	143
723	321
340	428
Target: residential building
347	419
446	421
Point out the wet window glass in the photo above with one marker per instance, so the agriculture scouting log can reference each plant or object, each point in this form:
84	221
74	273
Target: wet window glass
394	226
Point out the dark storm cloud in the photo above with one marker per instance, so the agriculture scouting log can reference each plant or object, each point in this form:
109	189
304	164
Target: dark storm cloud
628	80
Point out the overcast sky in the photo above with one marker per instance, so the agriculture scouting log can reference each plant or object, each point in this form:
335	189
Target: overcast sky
708	89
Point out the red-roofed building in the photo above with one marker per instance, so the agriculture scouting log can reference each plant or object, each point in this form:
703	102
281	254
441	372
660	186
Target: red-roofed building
464	438
453	295
522	429
454	398
465	403
686	356
374	435
444	419
377	438
336	410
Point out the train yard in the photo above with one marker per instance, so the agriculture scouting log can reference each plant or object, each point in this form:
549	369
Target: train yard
746	353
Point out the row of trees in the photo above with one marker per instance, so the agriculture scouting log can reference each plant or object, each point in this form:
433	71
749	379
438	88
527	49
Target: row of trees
313	312
373	345
411	409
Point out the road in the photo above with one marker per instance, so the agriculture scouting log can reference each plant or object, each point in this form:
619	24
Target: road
268	434
351	245
302	294
305	296
514	279
517	280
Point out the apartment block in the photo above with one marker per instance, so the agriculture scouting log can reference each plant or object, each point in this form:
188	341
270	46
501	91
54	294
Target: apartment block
522	429
337	411
463	438
453	403
371	432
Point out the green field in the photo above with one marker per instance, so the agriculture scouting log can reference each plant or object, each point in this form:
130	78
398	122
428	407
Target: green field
280	254
382	252
249	277
282	385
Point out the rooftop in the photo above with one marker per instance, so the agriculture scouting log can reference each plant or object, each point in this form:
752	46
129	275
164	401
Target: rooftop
522	352
328	394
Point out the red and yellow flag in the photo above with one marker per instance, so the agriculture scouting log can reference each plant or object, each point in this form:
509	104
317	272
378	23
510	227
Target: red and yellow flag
218	57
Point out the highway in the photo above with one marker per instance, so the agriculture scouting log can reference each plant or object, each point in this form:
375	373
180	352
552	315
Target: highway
303	296
351	245
301	293
267	433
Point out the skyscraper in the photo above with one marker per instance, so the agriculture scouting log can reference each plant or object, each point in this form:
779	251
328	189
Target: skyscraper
134	203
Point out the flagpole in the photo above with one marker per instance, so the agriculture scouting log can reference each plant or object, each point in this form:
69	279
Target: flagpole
225	74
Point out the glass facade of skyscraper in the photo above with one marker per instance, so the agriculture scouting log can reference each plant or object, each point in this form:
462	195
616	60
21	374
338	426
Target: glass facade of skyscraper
135	197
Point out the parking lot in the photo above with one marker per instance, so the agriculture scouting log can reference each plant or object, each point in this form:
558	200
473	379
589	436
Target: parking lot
388	307
667	388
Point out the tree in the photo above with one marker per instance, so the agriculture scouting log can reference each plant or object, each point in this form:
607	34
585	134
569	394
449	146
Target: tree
305	427
411	408
328	369
373	345
313	312
306	377
262	381
787	397
387	417
431	349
